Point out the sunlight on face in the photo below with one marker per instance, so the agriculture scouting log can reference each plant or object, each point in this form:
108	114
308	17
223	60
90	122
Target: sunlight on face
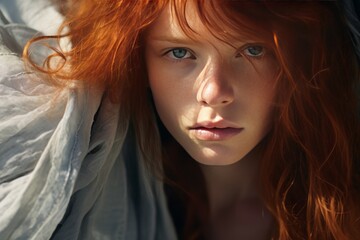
216	100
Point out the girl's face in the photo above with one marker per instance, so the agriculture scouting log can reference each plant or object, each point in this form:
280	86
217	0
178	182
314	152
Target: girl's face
215	99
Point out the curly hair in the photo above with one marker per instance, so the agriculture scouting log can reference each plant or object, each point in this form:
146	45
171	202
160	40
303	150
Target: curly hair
310	166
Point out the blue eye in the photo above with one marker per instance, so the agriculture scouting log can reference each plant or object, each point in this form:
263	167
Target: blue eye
180	53
254	51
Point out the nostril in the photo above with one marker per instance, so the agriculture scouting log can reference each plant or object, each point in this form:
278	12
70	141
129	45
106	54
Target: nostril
203	102
215	92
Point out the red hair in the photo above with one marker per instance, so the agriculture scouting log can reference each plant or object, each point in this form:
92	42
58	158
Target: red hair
310	167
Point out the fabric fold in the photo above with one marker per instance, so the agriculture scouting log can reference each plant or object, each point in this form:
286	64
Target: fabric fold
69	163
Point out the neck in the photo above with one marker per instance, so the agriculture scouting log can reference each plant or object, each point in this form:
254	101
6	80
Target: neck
235	205
228	185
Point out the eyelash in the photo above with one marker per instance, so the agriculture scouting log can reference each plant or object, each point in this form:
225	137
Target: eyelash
177	59
250	55
241	53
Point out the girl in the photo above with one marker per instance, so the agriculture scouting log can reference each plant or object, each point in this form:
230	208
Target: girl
246	111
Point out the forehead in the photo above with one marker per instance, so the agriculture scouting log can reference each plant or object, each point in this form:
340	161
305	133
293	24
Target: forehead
188	22
168	24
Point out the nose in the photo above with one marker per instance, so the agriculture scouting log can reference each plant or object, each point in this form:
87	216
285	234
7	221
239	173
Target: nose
214	88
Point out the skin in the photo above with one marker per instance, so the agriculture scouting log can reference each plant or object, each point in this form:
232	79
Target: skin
217	102
213	83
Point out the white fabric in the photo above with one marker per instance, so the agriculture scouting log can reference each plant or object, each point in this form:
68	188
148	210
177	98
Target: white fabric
69	166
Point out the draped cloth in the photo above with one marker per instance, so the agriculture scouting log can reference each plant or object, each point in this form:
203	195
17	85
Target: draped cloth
69	165
351	11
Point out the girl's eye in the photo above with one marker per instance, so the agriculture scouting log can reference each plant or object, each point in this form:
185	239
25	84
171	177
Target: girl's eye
254	51
179	54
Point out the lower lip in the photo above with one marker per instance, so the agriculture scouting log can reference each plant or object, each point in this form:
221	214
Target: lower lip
214	134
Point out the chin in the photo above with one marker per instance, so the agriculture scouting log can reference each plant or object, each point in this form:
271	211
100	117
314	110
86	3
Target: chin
210	157
217	163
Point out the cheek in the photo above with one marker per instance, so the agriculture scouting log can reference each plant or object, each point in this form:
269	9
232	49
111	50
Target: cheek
258	100
173	105
172	93
156	82
166	102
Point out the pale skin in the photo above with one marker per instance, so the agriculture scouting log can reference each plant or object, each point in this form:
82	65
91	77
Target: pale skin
217	102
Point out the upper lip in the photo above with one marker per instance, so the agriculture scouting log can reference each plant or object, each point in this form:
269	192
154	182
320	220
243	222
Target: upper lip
214	124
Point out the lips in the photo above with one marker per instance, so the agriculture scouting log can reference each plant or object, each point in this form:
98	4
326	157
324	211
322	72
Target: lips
210	131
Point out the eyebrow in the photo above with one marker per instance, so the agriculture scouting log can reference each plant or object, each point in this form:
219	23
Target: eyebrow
184	40
172	39
189	40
